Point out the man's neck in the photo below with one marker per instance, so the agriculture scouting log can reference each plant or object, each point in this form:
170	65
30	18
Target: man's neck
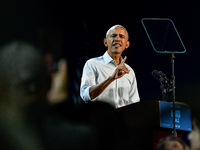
116	57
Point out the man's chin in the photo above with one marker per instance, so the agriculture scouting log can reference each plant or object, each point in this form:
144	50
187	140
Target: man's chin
117	49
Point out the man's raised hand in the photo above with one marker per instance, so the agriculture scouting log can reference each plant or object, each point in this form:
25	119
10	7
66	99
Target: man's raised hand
121	70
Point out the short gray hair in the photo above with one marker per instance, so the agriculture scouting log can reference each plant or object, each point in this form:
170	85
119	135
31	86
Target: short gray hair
118	25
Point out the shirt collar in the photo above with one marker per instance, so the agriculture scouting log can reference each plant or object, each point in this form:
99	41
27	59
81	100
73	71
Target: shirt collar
107	58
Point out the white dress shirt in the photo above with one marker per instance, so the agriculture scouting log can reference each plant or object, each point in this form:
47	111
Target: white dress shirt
120	92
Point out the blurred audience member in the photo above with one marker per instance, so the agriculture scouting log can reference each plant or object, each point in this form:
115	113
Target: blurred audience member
58	91
194	135
22	81
113	132
35	112
172	143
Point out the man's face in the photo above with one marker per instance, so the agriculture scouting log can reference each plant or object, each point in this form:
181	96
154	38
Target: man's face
117	40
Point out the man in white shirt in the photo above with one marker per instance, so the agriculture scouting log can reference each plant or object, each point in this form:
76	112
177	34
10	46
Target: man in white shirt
107	78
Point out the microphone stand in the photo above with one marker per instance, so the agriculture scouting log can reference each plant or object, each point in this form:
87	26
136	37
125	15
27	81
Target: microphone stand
173	94
166	88
164	93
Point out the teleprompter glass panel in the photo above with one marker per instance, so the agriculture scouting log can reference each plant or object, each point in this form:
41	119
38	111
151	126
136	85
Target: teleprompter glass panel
163	35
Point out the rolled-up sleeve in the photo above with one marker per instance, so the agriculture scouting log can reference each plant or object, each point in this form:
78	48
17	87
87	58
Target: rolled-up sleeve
87	80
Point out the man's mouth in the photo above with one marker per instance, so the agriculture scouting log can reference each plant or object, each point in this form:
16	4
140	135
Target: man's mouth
117	45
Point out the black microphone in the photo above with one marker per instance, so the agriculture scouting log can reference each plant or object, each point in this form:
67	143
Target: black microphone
159	75
156	74
165	78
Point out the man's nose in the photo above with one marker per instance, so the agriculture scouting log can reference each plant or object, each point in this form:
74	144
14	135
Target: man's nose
117	38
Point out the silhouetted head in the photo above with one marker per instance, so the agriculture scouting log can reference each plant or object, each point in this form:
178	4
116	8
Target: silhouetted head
23	73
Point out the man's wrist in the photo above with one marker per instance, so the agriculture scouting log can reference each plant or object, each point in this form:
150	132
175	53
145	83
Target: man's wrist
110	78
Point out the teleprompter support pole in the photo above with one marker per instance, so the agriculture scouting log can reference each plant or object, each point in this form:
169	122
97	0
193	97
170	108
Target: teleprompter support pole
173	95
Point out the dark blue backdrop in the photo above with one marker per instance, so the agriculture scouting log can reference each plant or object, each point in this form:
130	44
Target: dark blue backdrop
83	25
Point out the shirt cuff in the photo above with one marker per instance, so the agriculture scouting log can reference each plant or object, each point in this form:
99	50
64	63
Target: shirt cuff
88	95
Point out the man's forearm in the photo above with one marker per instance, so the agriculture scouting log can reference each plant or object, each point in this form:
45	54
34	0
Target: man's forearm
96	90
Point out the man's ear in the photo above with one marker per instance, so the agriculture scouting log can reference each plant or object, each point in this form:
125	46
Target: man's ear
105	42
127	44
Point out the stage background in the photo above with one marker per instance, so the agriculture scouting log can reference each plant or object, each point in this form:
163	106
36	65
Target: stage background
77	28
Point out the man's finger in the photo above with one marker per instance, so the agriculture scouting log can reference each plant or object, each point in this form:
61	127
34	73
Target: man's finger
124	60
125	69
